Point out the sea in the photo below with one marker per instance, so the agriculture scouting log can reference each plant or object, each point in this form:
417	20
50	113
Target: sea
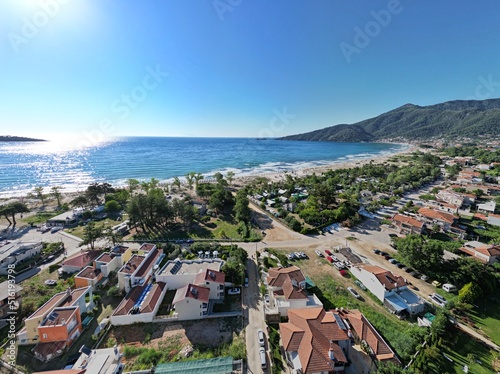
73	166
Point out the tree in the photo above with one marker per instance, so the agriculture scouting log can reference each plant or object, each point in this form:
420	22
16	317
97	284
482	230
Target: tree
230	177
190	179
111	236
112	206
469	293
79	201
177	182
55	192
241	209
132	184
197	178
38	192
478	193
12	209
91	234
218	177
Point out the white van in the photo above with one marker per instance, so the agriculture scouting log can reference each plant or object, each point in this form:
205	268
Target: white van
262	355
449	287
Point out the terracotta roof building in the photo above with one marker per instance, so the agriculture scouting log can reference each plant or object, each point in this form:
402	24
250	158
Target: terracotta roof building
79	261
486	253
407	225
288	290
191	302
364	331
315	341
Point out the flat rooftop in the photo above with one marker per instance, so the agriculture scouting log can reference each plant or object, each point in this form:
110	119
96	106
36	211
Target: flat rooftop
59	315
191	266
100	361
89	273
131	266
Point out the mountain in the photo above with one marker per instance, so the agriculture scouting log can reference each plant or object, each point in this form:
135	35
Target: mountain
453	119
9	138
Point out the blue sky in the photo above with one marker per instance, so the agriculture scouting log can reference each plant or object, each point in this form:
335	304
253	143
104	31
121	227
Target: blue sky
235	67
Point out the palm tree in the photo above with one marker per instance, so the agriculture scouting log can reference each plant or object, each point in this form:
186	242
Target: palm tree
38	192
57	194
132	184
177	182
190	179
230	176
197	178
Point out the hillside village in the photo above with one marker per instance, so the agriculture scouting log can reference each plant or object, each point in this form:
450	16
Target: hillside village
382	268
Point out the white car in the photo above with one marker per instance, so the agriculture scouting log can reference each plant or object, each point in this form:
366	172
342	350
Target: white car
260	335
319	253
353	292
234	291
438	299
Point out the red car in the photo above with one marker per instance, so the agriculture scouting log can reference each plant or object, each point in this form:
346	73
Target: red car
330	260
328	252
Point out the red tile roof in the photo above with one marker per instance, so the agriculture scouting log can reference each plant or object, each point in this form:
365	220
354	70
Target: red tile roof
313	333
57	316
408	220
288	279
88	273
193	292
149	262
434	214
82	259
365	331
45	349
133	297
487	250
60	299
210	276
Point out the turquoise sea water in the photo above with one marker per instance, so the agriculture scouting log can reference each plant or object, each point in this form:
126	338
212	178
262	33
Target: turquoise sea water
26	165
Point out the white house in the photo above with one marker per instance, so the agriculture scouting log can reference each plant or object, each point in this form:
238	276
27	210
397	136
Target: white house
108	262
138	270
214	280
288	289
487	207
486	253
17	252
140	305
391	289
177	274
191	302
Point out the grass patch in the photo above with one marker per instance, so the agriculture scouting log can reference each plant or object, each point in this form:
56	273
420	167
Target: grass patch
462	346
78	230
39	218
487	317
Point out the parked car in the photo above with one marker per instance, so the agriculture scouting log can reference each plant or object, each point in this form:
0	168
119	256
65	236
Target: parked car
400	265
319	253
234	291
302	255
290	256
387	257
50	282
383	253
353	292
246	282
328	252
361	285
338	265
409	270
260	335
266	298
424	277
297	255
436	283
376	251
329	259
438	299
394	261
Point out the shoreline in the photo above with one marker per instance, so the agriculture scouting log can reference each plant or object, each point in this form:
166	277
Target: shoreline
241	180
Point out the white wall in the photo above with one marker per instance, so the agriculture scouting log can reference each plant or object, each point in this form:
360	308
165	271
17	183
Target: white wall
174	282
129	319
189	309
370	281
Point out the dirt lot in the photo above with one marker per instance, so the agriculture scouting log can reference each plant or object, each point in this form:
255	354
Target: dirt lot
176	336
274	231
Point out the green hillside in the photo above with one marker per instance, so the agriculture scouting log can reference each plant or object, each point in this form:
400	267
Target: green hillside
460	118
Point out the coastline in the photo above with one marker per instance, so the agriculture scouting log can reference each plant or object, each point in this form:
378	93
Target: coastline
242	180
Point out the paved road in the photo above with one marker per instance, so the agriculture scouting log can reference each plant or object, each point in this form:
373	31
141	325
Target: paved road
253	311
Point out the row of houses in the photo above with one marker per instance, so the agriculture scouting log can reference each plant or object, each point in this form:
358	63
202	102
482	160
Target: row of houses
315	340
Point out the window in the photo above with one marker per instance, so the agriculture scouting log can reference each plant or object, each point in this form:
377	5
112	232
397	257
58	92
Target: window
205	305
45	336
221	287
